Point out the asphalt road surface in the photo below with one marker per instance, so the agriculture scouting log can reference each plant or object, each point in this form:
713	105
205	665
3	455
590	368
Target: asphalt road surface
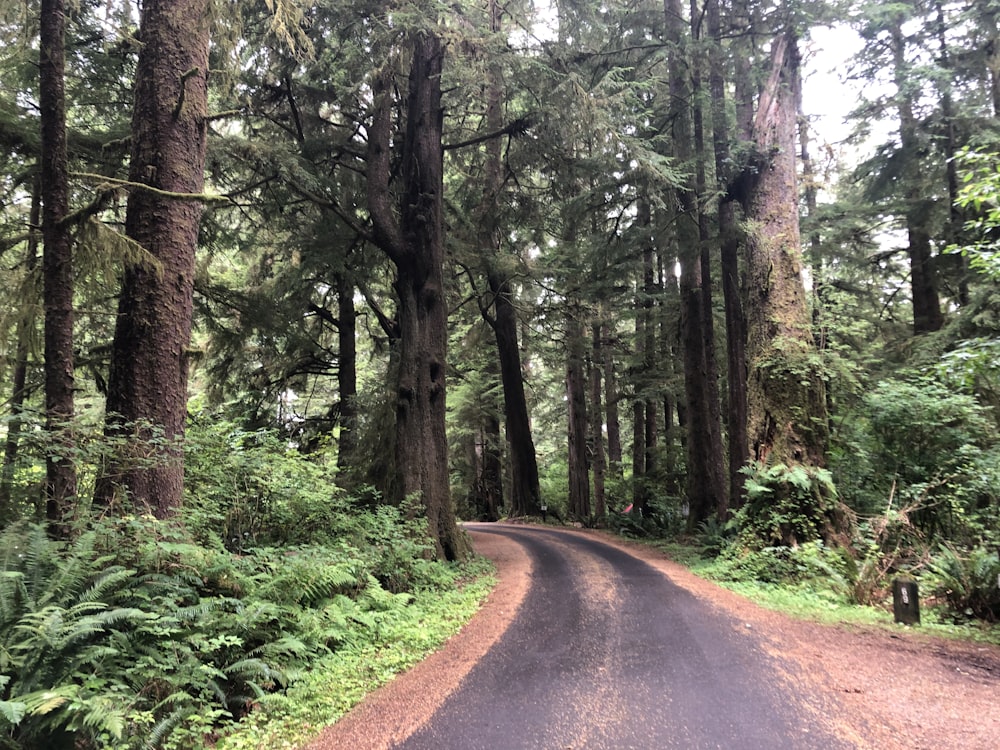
607	654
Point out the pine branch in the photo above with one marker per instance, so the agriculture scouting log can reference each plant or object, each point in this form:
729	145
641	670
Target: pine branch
517	128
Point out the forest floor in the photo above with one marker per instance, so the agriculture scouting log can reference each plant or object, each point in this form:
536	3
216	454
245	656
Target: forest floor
877	688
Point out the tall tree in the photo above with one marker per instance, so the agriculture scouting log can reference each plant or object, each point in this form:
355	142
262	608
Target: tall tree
525	495
705	480
147	384
413	240
736	369
57	263
787	405
927	314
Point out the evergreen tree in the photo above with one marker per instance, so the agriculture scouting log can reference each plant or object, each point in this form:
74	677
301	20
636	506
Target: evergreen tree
147	384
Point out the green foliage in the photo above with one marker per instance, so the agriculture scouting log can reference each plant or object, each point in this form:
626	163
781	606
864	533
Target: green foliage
147	633
788	505
969	582
979	196
932	450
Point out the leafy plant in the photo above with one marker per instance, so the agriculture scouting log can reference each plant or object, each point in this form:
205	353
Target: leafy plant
788	505
970	582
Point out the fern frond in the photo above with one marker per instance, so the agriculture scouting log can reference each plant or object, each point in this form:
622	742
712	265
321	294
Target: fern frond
13	711
45	701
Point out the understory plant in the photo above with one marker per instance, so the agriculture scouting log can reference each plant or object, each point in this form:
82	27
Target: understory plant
145	633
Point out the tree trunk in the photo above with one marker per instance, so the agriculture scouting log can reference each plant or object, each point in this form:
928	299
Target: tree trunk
57	265
347	377
649	359
147	385
786	394
576	399
20	373
705	490
597	425
736	366
415	245
611	404
639	455
927	314
490	481
525	495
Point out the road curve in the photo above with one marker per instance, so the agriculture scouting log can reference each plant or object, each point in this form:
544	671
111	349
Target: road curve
584	646
606	652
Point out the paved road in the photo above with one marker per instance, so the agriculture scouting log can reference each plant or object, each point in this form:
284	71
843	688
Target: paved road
607	654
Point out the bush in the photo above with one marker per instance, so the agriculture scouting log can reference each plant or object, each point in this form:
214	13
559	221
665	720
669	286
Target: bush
970	583
931	449
788	505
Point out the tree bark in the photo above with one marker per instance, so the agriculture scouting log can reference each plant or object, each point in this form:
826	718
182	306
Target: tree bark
147	384
786	394
576	399
57	267
489	491
705	488
597	424
415	244
927	314
736	365
525	494
611	404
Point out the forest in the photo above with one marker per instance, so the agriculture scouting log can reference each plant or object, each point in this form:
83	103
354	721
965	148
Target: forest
290	289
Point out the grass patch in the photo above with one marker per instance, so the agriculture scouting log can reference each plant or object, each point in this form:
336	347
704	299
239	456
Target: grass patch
338	682
812	600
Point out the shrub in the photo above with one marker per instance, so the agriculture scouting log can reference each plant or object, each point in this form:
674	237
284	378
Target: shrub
970	583
788	505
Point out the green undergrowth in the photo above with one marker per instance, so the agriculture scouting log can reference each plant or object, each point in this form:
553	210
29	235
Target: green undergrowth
820	599
336	683
270	604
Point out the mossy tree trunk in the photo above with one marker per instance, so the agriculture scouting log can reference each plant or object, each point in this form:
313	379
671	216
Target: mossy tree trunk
147	384
786	393
414	242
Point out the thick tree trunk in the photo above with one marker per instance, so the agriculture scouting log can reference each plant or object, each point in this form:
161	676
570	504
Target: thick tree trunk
786	394
57	266
147	385
415	244
576	399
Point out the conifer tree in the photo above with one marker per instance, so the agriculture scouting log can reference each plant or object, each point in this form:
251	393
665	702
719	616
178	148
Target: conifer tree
147	384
